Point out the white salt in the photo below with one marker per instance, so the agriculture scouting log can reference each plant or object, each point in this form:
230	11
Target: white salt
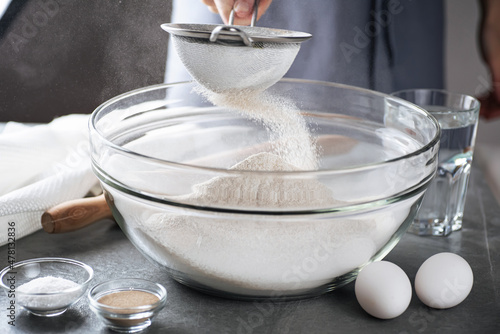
47	293
47	284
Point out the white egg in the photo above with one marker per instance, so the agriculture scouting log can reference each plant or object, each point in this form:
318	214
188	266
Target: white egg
444	280
383	290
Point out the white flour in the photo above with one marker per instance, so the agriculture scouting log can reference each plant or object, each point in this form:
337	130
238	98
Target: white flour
263	254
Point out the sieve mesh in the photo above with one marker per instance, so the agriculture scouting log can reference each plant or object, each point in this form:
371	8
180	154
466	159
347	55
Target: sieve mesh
226	58
222	68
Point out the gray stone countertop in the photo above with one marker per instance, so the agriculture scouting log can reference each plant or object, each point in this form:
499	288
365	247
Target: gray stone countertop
107	250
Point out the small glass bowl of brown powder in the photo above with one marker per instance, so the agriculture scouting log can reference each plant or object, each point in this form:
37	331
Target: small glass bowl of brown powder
127	305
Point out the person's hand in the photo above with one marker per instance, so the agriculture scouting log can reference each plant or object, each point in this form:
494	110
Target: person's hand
490	105
243	9
490	48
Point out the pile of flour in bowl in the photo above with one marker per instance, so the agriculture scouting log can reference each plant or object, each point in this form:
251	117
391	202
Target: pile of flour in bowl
258	254
261	190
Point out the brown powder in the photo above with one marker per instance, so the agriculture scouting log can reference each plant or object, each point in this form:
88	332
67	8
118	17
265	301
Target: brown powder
128	298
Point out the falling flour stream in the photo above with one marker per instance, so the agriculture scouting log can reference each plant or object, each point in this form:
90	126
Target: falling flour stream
280	116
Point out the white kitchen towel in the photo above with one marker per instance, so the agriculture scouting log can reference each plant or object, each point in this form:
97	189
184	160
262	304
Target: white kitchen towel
41	166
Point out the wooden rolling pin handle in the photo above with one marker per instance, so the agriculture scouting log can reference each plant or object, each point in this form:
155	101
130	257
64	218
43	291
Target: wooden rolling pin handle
73	215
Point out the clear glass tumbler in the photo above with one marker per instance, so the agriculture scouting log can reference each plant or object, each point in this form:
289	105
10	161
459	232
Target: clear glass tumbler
442	209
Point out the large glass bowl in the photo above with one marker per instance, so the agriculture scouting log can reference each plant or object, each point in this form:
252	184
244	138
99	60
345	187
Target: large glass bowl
152	148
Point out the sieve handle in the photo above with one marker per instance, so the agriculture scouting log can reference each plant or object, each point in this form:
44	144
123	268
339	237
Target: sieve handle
229	31
255	12
254	16
231	17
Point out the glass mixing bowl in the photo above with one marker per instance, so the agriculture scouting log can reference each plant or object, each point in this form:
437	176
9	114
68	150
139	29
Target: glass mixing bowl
283	234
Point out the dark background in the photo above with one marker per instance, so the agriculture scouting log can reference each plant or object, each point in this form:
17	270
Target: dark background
60	57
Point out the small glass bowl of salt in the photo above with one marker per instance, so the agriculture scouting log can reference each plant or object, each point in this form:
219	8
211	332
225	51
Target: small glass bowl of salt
46	287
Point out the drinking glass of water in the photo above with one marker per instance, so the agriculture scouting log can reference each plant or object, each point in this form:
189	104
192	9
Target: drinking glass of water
442	208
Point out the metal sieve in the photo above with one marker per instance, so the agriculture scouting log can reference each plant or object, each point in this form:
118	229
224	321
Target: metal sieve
223	58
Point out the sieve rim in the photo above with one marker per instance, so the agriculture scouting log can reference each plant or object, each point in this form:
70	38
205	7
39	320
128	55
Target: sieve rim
255	34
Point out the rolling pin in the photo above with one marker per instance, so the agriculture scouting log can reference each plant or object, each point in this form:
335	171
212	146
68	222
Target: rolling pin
73	215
